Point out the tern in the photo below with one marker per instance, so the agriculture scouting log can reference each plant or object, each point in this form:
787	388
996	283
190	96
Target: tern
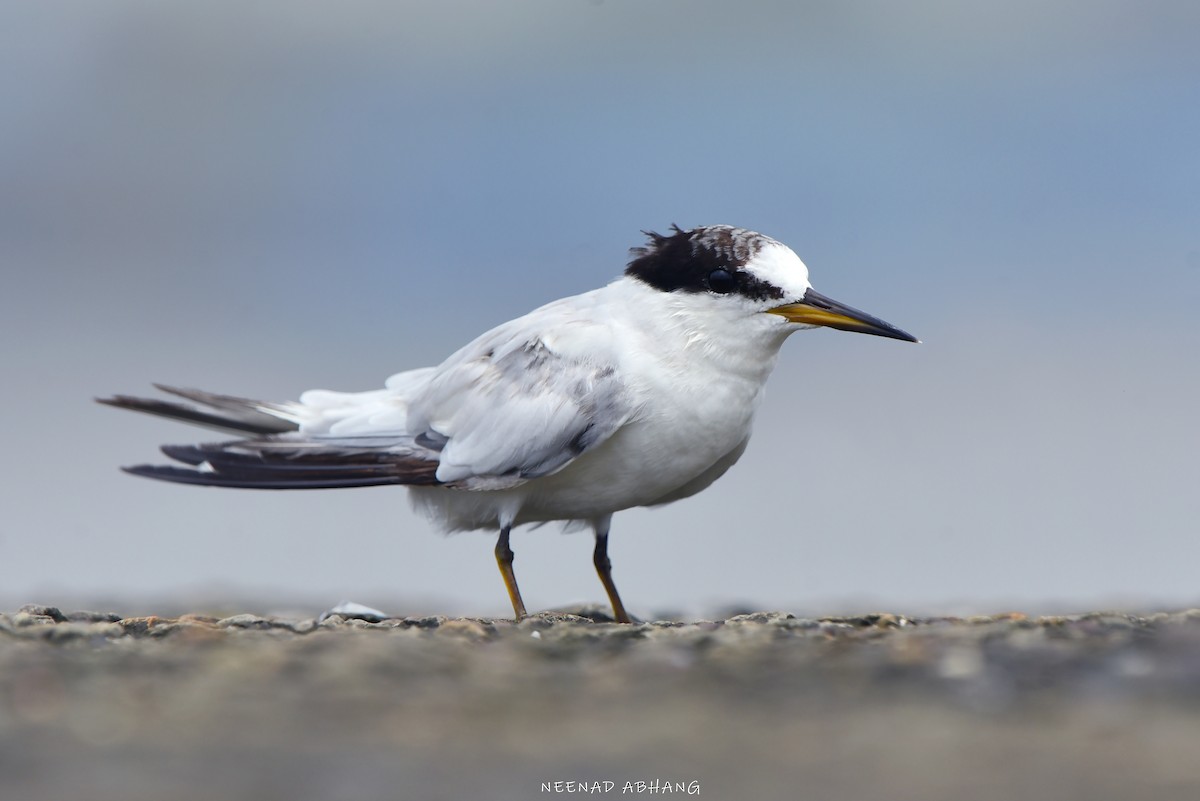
640	393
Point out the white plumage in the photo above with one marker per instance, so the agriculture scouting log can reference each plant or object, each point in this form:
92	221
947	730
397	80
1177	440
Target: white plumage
639	393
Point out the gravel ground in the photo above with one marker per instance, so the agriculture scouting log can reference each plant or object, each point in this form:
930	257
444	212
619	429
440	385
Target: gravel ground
1096	706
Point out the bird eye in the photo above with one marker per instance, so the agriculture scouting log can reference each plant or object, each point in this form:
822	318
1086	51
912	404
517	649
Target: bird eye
721	281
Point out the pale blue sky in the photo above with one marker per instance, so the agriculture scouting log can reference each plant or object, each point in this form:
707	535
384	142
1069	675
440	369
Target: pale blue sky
263	198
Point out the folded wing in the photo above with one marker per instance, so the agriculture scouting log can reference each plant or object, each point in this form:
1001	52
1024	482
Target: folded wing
515	408
512	406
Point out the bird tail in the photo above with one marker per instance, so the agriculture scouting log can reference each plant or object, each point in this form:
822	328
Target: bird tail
274	454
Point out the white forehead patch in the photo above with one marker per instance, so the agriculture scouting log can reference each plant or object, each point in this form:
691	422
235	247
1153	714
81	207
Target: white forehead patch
778	265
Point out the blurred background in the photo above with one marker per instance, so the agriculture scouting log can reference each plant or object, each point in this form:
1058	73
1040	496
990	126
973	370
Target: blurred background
264	198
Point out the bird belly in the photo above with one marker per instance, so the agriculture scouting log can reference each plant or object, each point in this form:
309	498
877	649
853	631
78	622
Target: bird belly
637	466
656	459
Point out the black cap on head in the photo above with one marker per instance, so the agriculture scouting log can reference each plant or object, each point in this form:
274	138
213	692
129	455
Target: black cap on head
685	261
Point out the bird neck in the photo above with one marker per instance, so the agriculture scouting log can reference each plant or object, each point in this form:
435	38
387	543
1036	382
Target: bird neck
677	327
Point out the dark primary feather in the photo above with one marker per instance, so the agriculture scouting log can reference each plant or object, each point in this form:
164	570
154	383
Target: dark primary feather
223	412
275	457
183	475
281	463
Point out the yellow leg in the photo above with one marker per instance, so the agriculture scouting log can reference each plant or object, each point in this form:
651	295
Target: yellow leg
504	558
604	570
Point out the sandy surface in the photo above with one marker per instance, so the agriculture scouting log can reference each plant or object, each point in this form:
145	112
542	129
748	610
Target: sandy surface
1099	706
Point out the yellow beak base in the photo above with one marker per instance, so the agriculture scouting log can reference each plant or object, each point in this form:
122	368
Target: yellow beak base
816	309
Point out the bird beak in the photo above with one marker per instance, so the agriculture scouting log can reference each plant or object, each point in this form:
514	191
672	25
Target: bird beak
816	309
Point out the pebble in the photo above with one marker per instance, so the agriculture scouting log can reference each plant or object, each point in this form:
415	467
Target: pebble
134	694
1008	648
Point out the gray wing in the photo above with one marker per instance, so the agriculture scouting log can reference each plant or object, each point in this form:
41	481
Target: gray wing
520	402
515	405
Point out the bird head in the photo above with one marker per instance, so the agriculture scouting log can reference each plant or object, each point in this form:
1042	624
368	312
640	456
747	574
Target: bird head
734	271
